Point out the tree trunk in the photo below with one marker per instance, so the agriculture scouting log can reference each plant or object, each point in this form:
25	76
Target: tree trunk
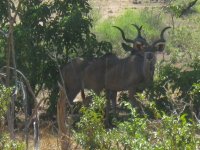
64	132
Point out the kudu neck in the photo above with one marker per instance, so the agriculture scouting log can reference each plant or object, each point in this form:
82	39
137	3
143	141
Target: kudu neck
148	69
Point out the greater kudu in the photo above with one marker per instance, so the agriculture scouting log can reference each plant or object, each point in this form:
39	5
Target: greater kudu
114	74
73	71
138	68
127	73
94	73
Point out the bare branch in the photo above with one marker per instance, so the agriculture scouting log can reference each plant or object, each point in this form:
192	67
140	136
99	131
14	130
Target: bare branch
26	81
24	94
4	33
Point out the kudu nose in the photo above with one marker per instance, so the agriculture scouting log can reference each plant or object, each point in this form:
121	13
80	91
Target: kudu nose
149	56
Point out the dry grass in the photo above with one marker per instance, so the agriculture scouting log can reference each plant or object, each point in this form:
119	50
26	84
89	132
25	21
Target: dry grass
47	142
49	139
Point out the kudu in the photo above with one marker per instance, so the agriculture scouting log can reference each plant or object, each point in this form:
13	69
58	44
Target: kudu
136	69
114	74
130	72
73	71
95	73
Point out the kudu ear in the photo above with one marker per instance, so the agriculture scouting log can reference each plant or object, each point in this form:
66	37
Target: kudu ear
128	48
160	46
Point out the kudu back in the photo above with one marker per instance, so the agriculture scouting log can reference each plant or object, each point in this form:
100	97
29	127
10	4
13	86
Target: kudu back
76	78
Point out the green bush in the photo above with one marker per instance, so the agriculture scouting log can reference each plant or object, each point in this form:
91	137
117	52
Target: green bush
171	78
5	142
197	7
5	94
179	7
167	132
90	128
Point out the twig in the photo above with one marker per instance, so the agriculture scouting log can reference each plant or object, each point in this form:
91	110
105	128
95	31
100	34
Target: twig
190	5
36	133
31	92
26	113
196	117
4	33
26	81
3	75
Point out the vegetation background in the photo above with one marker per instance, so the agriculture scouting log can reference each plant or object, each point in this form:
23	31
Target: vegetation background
45	31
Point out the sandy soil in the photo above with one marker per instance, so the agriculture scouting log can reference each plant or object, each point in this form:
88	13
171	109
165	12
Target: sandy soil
109	8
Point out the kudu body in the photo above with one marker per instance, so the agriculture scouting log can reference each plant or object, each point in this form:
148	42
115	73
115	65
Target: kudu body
76	78
82	74
127	73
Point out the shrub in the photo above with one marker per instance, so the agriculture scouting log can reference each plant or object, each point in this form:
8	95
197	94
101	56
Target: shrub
180	7
5	142
170	79
4	100
168	132
90	128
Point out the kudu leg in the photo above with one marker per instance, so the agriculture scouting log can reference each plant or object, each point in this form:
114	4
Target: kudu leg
110	97
134	102
113	99
107	109
71	94
132	98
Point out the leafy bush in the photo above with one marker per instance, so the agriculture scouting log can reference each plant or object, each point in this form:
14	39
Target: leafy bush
4	100
195	99
5	142
197	7
178	83
167	132
179	7
183	44
59	28
90	128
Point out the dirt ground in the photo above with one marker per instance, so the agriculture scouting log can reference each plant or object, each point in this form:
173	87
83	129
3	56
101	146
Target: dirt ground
109	8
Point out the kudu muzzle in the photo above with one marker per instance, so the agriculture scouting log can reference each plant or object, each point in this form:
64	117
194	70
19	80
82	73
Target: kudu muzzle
149	56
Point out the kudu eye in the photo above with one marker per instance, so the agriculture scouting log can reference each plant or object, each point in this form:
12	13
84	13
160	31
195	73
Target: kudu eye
160	47
139	46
